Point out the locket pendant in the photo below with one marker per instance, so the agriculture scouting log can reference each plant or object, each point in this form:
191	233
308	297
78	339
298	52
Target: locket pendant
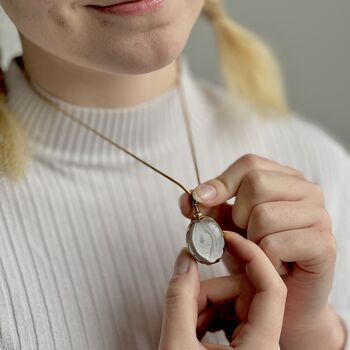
205	239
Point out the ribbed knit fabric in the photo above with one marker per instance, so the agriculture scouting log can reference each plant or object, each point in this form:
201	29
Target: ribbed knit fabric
89	237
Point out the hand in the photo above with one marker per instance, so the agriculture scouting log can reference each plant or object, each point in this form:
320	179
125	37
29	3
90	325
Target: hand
259	296
282	212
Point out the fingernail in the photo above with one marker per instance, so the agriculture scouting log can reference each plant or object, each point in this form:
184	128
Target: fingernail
204	192
182	263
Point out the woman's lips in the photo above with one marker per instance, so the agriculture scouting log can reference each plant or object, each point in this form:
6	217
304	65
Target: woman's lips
130	7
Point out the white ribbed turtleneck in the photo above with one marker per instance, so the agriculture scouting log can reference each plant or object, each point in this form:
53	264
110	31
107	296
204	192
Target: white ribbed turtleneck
89	237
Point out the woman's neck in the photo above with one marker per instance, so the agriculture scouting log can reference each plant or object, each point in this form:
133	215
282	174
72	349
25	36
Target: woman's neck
92	88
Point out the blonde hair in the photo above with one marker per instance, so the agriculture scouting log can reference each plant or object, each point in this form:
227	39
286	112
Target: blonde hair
14	145
247	65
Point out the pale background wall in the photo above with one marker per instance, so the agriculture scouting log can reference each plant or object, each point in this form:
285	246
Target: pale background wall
311	40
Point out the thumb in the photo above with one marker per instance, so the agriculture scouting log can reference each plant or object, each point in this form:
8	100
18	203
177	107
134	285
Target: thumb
181	305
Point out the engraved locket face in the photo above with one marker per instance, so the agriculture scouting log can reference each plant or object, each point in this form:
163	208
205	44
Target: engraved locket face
205	240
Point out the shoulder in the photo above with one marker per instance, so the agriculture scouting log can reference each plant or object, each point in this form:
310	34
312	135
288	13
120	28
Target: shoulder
292	140
322	156
313	142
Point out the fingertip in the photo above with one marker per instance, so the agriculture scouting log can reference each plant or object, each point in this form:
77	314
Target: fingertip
183	262
181	200
233	243
233	236
192	259
181	300
185	273
239	246
185	204
205	193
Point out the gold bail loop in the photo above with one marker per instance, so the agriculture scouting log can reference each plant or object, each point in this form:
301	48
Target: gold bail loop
197	214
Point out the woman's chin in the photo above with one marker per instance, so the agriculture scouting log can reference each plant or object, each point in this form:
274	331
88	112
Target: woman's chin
141	61
148	64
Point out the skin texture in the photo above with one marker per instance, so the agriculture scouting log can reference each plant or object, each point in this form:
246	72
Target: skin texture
92	59
281	211
258	292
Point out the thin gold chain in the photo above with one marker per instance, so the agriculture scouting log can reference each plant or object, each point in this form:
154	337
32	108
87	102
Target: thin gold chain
184	109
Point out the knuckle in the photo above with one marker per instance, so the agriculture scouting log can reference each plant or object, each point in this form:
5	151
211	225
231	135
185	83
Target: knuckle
281	289
278	288
268	245
225	182
260	214
254	181
250	161
297	173
325	219
327	246
330	246
318	189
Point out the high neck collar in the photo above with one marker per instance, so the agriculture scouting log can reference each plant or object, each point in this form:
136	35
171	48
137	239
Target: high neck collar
152	125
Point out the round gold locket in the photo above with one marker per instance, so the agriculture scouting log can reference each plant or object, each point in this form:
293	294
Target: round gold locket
205	239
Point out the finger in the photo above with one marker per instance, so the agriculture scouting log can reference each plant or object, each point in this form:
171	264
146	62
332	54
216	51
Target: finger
312	249
226	315
222	214
218	291
271	217
185	205
224	290
180	309
265	275
205	319
260	186
233	264
267	307
225	186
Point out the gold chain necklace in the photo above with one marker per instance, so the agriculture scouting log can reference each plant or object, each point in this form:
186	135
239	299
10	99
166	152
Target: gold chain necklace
205	239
